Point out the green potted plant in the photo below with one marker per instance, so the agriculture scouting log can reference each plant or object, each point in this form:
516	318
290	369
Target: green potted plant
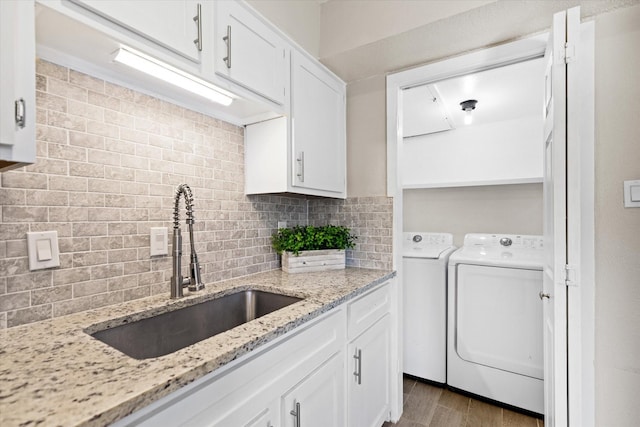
308	248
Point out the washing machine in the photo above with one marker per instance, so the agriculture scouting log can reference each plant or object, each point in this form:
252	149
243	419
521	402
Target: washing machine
425	257
495	345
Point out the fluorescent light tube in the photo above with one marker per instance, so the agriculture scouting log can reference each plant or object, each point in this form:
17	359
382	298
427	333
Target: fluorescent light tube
170	74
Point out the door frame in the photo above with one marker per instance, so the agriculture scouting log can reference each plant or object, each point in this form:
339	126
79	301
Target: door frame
581	310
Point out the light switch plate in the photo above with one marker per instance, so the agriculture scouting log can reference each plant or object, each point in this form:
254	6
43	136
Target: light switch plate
43	250
159	241
632	194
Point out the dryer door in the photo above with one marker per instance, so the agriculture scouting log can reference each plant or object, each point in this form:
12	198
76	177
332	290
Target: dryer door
499	318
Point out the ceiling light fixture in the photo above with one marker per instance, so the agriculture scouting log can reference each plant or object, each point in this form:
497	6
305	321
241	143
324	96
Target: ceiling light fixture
170	74
468	106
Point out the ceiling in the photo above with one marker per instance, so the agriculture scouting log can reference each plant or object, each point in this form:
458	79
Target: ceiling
503	93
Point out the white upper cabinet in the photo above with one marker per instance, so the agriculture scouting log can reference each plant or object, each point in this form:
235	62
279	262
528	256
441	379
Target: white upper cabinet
318	127
17	84
250	53
306	152
174	24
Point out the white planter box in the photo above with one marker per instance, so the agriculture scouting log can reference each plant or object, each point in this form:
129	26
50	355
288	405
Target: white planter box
307	261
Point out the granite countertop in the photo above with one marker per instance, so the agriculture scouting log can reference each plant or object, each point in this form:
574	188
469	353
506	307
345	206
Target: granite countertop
53	373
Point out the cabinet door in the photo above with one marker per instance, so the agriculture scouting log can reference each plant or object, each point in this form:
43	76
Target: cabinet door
318	127
368	385
249	53
318	400
17	84
169	23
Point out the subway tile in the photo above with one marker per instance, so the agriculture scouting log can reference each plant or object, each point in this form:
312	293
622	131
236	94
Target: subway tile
100	157
102	100
86	81
16	248
71	275
86	170
136	293
28	315
49	295
48	166
92	287
66	152
51	102
50	69
18	179
102	129
24	214
120	147
82	109
66	121
86	199
89	229
104	186
41	84
84	259
68	184
14	301
67	90
86	140
10	196
47	198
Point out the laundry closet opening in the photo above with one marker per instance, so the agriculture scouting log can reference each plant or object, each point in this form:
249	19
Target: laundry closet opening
471	157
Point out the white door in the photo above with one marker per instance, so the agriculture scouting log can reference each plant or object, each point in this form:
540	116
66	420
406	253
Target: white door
248	52
319	399
554	294
368	375
318	127
170	23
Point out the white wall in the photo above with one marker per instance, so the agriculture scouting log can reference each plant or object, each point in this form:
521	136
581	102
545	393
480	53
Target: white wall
617	229
511	209
497	151
300	20
344	27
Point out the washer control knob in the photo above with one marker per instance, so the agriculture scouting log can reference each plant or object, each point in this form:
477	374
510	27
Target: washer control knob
505	241
417	238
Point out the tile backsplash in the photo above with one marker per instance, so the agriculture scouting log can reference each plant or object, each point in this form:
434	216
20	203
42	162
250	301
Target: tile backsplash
109	160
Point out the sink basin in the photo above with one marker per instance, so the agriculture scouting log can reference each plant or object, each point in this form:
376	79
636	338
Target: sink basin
165	333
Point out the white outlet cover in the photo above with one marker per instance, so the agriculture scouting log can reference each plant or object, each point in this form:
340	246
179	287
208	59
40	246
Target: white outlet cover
158	241
43	250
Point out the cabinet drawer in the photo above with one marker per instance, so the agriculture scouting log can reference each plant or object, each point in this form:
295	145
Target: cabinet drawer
364	311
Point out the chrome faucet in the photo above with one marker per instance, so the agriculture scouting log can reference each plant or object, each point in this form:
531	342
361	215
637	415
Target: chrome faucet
177	281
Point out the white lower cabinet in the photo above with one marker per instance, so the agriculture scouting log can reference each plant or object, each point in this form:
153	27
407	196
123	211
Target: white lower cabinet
318	400
302	379
368	386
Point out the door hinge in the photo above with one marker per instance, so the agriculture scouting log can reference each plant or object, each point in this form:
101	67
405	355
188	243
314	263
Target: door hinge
570	275
569	52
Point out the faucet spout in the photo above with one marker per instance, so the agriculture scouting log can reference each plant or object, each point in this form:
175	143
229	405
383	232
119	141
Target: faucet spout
194	282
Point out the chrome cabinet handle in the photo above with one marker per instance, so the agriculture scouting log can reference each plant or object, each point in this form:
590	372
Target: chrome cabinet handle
296	414
20	113
300	160
542	295
198	20
358	372
227	40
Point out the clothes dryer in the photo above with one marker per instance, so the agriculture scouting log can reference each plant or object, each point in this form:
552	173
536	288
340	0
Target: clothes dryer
425	257
495	346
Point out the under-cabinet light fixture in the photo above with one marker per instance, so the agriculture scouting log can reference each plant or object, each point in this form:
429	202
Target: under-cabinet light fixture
170	74
468	106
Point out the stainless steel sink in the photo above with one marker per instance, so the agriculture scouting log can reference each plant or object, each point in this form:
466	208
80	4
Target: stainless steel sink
165	333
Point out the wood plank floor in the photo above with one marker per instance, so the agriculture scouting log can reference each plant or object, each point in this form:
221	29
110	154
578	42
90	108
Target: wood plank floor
429	406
